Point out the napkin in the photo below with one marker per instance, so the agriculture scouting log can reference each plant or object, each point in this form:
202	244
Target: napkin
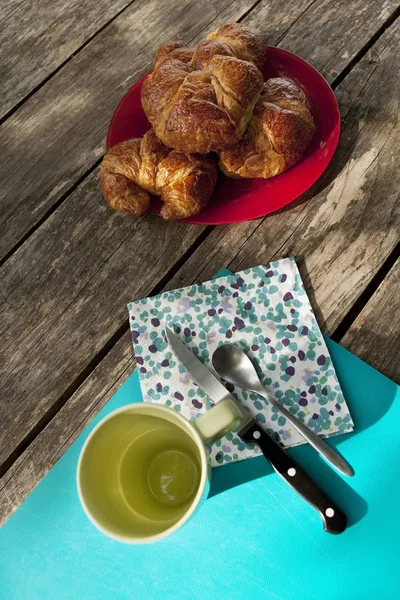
264	310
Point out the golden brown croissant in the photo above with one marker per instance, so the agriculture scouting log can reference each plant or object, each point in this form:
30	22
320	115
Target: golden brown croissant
201	99
134	169
280	131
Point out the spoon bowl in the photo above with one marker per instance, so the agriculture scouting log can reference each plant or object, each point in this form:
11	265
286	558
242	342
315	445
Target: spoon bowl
233	365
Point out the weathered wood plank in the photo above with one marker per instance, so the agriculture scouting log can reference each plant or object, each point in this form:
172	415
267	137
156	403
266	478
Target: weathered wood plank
43	453
375	334
37	37
8	8
341	231
88	263
68	117
59	133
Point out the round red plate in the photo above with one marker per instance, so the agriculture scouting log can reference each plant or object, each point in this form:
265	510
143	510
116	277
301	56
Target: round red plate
236	200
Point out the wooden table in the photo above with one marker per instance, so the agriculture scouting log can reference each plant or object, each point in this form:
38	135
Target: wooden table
70	264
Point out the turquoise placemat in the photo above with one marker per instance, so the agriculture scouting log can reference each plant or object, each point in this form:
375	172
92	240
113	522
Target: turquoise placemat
254	538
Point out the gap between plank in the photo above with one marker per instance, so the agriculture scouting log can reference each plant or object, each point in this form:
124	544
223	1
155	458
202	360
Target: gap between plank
366	295
248	11
51	210
85	373
12	110
362	52
42	83
295	21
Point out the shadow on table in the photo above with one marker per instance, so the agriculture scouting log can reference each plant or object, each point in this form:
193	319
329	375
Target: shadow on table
369	396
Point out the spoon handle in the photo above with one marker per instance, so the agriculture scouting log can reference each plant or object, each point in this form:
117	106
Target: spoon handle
333	518
312	438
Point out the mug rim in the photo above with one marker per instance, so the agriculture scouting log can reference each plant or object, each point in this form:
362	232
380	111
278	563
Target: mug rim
202	484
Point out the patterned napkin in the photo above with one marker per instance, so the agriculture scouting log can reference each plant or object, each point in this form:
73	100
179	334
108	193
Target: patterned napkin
266	311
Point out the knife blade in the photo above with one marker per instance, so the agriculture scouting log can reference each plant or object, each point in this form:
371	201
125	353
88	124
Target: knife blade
334	520
203	376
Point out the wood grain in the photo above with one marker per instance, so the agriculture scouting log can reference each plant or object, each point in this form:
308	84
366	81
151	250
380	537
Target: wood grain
330	33
58	134
37	37
375	334
8	8
343	229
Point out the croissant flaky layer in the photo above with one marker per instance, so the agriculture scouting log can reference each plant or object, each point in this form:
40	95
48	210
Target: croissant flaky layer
279	132
201	99
134	169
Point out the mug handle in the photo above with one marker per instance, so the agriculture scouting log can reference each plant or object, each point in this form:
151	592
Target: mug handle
222	418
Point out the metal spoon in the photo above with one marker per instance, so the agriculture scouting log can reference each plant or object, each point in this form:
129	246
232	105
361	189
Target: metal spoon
233	365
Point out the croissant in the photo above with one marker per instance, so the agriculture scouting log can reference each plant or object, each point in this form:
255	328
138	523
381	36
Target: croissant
134	169
201	99
280	131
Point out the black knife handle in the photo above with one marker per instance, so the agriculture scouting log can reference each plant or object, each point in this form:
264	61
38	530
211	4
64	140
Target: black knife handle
333	518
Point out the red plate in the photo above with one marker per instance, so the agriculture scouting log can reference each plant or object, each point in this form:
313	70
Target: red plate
236	200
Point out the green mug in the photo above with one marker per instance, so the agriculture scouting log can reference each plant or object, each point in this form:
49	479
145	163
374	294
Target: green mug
143	471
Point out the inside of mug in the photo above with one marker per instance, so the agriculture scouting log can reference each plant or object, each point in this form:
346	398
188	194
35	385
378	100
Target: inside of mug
139	474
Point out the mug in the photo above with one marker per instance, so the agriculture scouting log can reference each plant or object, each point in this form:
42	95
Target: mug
143	471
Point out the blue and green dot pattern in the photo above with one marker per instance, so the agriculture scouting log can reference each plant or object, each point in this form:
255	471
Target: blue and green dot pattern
266	311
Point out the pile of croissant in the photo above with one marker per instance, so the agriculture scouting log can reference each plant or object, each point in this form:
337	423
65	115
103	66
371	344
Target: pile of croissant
208	106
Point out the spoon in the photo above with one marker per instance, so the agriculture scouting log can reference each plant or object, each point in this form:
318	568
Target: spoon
234	366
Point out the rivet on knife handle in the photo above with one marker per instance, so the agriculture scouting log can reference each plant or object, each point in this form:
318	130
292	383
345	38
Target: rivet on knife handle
333	518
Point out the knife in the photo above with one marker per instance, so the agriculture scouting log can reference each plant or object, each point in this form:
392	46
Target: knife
334	520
